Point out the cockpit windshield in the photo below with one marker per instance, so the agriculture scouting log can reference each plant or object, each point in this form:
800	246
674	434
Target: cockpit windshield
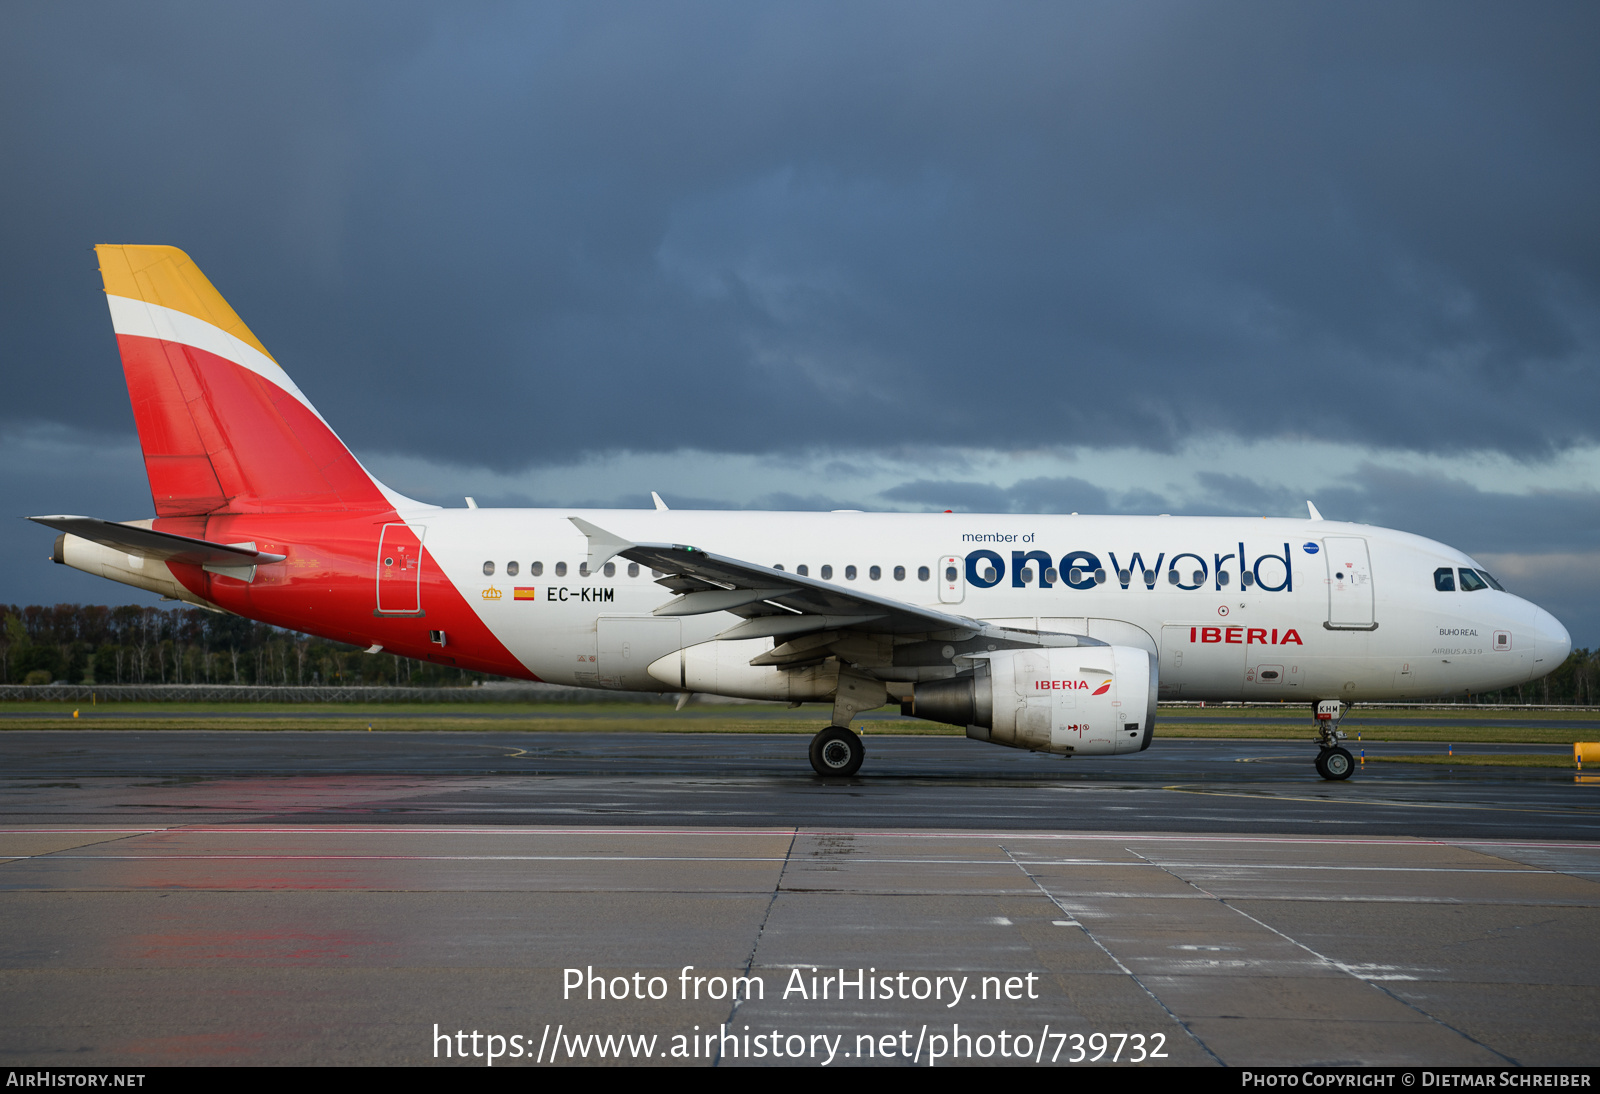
1493	584
1471	582
1444	579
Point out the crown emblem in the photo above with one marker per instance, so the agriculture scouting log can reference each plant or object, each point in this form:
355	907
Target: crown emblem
491	593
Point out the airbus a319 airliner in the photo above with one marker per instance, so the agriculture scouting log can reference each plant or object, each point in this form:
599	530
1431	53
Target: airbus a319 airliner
1051	633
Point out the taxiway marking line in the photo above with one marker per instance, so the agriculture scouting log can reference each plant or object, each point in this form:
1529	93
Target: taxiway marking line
977	834
1384	803
1244	867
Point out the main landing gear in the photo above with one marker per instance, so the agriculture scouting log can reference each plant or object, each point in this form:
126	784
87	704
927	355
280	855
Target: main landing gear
837	751
1333	762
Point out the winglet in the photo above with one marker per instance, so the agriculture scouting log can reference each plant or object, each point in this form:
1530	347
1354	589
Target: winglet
603	545
660	505
1314	514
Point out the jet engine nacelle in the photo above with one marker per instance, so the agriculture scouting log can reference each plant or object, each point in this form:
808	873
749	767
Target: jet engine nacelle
1080	701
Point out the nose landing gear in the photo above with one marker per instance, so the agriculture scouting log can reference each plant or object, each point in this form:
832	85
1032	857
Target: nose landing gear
1333	762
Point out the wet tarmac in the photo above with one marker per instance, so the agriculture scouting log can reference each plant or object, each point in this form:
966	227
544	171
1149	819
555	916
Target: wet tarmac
221	897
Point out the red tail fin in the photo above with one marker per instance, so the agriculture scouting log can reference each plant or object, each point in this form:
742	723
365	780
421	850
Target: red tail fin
223	428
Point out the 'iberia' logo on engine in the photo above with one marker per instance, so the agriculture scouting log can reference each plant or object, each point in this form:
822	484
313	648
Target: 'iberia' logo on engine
1070	685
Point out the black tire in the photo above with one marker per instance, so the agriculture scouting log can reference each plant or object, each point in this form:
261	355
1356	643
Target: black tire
837	752
1335	764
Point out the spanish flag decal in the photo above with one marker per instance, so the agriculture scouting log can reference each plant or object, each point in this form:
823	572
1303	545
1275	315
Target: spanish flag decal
524	592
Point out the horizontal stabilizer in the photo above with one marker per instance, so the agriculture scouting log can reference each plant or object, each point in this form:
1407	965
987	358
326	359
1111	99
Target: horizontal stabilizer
164	546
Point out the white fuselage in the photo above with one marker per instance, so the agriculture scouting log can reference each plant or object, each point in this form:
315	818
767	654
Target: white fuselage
1325	609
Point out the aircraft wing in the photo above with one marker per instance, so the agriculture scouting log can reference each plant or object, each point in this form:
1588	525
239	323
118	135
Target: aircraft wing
774	602
164	546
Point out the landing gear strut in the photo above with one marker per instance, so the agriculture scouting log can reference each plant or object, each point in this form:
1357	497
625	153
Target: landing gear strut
1333	762
837	751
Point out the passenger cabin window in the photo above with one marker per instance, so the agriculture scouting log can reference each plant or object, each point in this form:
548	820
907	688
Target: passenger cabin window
777	565
899	573
922	573
1444	579
561	569
488	569
633	569
511	569
1246	579
875	572
827	573
849	573
1050	575
536	568
950	573
1471	582
583	569
1027	575
610	569
803	570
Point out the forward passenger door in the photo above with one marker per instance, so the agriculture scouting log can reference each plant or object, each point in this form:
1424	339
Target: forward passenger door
1350	604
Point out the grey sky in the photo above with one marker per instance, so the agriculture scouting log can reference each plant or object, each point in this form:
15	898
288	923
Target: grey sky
510	240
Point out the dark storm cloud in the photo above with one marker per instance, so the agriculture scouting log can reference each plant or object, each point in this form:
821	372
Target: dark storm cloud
1454	510
1449	509
519	234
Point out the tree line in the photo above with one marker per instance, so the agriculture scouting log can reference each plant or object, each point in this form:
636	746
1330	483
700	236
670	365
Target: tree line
133	644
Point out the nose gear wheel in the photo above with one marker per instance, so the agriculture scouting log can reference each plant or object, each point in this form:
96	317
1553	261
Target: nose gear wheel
1334	764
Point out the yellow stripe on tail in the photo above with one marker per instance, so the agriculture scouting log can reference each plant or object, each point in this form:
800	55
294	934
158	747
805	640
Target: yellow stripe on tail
168	277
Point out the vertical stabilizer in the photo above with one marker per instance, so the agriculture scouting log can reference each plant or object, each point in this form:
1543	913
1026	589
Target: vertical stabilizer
222	426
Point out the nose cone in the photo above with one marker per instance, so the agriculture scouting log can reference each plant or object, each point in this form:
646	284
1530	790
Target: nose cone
1553	643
